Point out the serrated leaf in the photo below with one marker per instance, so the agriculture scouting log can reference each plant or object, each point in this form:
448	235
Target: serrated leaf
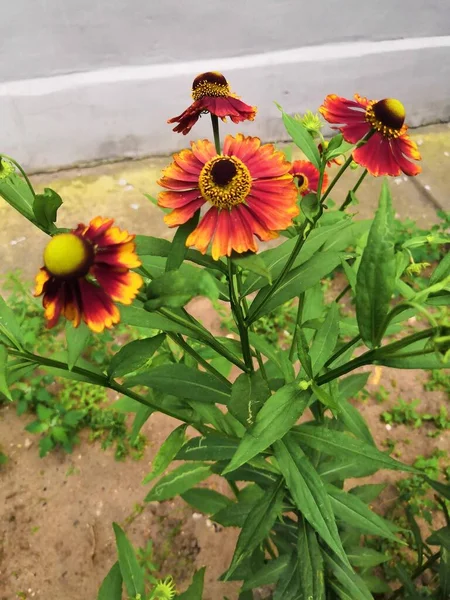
179	481
184	382
248	394
132	574
166	453
377	273
308	491
76	339
274	420
134	355
111	588
205	500
258	524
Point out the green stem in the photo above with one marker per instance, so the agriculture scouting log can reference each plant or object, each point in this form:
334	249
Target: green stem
236	309
354	189
178	339
204	336
234	488
215	126
342	294
24	175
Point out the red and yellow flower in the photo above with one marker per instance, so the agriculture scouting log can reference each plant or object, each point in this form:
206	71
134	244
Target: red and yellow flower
87	270
211	93
248	189
389	150
307	176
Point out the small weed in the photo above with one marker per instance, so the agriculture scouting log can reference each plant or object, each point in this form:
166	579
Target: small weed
381	395
438	380
405	413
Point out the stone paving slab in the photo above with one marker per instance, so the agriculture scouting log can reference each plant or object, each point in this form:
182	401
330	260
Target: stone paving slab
117	190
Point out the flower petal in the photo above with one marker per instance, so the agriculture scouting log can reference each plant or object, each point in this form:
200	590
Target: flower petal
401	149
204	232
121	256
203	150
40	280
98	309
184	213
177	199
122	286
221	245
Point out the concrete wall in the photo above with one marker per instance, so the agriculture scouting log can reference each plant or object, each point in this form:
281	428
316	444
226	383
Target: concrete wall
89	80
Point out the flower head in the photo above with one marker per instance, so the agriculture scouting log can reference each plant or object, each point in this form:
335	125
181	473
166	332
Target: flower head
307	176
164	590
211	93
248	190
310	121
6	168
389	150
85	271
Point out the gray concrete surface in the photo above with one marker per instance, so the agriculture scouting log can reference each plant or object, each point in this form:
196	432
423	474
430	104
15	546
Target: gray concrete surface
117	190
83	81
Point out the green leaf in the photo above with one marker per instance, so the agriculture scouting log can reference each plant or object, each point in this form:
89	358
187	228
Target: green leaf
273	421
195	590
325	339
302	139
147	245
46	445
139	317
344	467
288	584
308	491
9	326
17	193
354	421
442	489
350	386
278	357
268	574
441	271
400	360
248	394
45	208
210	447
275	258
367	492
235	514
111	588
303	352
340	444
258	524
297	281
444	573
375	584
178	249
184	382
211	414
36	426
166	453
132	573
353	511
253	263
134	355
179	481
175	288
351	583
339	147
205	500
310	206
77	339
441	537
142	415
4	389
310	563
326	398
377	273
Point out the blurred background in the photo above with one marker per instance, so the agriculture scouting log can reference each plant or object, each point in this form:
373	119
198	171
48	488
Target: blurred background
91	81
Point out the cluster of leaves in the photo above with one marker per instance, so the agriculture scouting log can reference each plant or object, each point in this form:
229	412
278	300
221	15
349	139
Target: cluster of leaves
405	413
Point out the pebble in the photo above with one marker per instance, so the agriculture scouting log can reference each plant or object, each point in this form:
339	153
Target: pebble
27	443
427	187
197	516
388	427
135	206
122	182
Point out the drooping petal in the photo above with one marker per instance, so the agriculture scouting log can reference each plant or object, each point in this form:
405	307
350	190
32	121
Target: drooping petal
122	286
376	156
256	226
204	232
40	280
221	245
98	309
242	239
402	149
122	256
184	213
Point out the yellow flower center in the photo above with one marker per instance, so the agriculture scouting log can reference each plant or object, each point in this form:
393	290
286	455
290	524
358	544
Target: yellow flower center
225	181
302	182
387	116
210	84
68	255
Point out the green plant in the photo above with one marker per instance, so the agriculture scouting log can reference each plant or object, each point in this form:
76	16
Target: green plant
274	421
405	413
